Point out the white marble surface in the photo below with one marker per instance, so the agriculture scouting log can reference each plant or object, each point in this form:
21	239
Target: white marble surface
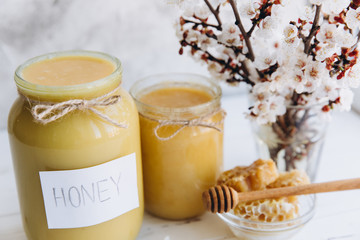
336	218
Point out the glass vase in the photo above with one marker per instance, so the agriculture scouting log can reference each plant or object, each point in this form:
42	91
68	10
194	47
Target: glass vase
295	140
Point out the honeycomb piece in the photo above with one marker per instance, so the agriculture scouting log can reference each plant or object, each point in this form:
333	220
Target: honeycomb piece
254	177
229	174
260	175
290	179
267	210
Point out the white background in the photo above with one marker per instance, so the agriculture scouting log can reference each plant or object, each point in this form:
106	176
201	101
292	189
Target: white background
140	33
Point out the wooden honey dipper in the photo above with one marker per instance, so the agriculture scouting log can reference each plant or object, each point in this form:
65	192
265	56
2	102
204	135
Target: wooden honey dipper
221	198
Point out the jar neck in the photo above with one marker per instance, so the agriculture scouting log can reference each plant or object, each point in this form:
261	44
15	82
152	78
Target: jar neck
63	93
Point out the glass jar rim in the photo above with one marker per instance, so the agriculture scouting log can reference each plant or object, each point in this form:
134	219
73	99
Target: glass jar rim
214	102
36	89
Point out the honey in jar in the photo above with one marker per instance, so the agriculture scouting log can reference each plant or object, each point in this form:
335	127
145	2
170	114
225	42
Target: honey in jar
75	143
181	125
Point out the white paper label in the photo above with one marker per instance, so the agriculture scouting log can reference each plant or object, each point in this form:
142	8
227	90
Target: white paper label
89	196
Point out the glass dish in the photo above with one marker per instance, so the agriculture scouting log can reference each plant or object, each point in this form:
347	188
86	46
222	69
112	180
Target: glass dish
245	229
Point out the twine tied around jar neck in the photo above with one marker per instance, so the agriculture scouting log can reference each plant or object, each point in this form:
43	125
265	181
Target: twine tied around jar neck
188	123
45	113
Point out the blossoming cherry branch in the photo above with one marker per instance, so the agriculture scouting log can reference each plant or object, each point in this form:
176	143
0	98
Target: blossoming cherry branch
292	55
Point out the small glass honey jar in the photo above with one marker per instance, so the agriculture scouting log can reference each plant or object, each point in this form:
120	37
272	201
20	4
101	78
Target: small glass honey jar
181	124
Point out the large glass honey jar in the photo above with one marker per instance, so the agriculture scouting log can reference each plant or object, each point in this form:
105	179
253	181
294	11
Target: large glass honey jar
75	143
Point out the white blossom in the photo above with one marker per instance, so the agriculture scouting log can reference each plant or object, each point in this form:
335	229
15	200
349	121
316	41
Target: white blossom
326	51
224	53
290	31
290	44
257	3
309	14
261	91
298	81
230	34
314	70
202	11
187	6
331	6
317	2
279	81
192	36
261	110
311	86
346	39
253	73
267	26
291	40
277	105
346	98
328	33
353	18
302	61
351	78
334	6
265	60
178	29
267	111
216	70
327	90
247	9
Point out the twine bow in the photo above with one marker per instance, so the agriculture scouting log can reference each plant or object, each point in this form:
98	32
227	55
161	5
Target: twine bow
49	112
188	123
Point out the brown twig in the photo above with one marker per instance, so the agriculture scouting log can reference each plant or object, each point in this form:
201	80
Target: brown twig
261	16
290	116
281	121
315	27
251	30
215	13
234	70
250	55
300	28
245	69
279	131
204	24
289	158
210	34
